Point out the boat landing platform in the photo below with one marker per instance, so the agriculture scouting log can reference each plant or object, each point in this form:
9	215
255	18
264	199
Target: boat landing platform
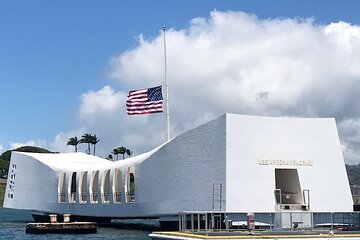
64	227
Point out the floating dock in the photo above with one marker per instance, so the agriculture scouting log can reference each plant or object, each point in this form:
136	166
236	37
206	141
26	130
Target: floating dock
68	227
303	235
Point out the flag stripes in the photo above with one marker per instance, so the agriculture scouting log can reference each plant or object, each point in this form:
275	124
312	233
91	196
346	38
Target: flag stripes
145	101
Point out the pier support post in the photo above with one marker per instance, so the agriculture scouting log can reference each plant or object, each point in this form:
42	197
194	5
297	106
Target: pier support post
66	218
53	218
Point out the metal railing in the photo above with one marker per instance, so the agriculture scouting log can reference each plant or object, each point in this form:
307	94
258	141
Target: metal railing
72	197
130	197
83	197
94	198
105	198
62	197
117	197
292	201
205	222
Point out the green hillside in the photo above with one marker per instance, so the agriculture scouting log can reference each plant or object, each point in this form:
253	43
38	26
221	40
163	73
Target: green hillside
353	172
5	157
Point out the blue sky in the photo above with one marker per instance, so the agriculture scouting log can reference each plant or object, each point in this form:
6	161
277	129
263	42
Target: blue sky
53	52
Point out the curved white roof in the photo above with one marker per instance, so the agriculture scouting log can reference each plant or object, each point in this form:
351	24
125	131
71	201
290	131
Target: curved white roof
85	162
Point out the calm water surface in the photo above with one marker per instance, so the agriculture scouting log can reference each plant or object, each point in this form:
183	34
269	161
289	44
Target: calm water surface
13	222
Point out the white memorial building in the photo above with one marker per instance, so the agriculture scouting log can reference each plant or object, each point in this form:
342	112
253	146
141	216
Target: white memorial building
234	163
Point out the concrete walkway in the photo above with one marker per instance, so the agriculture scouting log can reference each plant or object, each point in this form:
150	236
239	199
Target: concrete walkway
333	235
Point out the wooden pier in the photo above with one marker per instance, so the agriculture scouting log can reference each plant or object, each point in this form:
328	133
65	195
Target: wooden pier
61	227
68	227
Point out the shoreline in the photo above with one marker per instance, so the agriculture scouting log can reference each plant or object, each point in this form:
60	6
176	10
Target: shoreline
2	191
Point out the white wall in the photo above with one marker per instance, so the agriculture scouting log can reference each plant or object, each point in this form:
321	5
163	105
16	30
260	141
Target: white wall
36	188
35	185
250	186
180	176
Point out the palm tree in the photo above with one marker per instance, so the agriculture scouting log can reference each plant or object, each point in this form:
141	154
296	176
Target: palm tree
122	150
116	152
94	140
129	152
86	138
73	142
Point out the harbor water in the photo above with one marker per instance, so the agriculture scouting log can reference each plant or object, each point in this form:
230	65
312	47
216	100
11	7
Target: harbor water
13	222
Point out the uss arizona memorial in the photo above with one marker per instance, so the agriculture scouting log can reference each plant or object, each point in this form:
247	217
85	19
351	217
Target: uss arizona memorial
261	164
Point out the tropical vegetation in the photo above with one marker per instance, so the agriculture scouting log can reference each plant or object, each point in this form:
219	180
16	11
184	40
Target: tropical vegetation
353	172
73	141
87	138
121	150
92	140
2	193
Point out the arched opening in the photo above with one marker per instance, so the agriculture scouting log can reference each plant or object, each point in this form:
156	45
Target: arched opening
130	185
105	187
117	182
62	187
82	188
94	187
72	188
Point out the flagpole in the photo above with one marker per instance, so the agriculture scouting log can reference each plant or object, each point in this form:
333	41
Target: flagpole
167	113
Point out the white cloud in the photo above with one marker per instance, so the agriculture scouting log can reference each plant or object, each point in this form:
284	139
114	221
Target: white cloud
59	143
235	62
1	148
105	101
231	62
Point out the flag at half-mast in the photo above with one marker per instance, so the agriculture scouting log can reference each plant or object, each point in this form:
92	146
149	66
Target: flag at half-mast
145	101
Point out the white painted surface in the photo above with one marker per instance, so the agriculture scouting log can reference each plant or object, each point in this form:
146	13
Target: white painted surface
241	152
250	186
180	176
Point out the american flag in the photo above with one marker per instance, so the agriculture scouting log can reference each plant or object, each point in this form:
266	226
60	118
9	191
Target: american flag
145	101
